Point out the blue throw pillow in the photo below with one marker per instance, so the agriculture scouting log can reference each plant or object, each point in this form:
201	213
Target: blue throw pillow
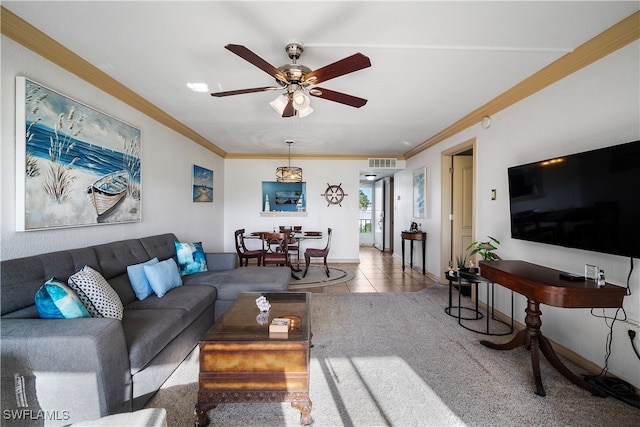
191	258
163	276
138	279
55	300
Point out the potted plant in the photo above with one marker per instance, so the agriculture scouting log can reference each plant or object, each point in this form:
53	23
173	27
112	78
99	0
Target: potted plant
485	249
461	261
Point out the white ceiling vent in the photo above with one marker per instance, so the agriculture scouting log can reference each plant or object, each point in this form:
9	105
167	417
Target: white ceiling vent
382	163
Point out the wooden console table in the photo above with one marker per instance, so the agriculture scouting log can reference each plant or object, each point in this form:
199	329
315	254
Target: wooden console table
542	285
411	236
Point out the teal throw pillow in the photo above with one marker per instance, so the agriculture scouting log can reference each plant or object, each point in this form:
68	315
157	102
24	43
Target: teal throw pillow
191	258
138	279
163	276
55	300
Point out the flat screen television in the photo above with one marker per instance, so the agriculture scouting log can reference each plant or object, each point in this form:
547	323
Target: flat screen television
589	200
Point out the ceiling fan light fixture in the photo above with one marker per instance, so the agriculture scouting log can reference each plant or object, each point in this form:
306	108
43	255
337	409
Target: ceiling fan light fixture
279	103
305	112
300	100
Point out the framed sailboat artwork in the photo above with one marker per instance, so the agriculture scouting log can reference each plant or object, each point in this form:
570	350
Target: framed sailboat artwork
76	166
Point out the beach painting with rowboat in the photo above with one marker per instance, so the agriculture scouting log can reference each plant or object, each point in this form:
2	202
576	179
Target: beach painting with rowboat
202	184
81	166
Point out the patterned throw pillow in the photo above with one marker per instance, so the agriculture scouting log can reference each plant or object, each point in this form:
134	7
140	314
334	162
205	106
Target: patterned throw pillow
191	258
97	295
163	276
55	300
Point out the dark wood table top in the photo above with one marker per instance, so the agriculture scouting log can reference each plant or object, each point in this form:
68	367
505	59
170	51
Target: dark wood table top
544	285
240	322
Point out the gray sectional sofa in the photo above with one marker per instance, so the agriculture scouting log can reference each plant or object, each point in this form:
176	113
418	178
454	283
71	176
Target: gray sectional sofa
68	370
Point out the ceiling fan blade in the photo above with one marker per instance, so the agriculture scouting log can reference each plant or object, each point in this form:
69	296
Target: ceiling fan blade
241	91
352	63
251	57
289	111
340	97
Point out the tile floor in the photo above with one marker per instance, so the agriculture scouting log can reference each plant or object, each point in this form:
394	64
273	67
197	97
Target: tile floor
377	272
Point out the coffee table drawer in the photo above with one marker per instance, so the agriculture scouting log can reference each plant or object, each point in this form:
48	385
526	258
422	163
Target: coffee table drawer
254	357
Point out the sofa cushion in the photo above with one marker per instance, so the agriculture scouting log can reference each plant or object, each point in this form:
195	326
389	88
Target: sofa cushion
147	332
55	300
209	278
253	279
191	258
161	246
194	299
137	277
22	277
98	297
163	276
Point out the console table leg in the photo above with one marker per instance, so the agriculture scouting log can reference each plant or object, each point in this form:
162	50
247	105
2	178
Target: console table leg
305	411
535	365
552	357
515	342
200	412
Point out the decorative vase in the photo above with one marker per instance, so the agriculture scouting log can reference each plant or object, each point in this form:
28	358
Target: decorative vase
267	207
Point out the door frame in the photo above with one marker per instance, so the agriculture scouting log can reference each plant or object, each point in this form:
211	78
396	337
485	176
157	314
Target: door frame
446	203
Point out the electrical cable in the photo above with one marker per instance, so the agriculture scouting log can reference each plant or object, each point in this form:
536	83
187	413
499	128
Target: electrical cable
615	387
629	276
632	335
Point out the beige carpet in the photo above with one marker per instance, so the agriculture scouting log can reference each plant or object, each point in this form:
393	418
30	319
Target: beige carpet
396	359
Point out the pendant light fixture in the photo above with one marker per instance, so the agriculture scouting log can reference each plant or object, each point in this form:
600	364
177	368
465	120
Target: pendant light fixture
289	173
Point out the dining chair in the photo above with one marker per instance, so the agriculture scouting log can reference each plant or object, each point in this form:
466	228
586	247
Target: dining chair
318	253
246	254
276	251
275	247
294	243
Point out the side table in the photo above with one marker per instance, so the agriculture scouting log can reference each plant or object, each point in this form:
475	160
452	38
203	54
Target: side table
411	236
459	283
473	279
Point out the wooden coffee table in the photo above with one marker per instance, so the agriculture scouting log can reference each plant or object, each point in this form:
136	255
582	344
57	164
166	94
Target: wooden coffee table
240	362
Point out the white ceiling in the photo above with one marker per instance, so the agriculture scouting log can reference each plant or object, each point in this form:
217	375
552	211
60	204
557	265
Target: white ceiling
432	62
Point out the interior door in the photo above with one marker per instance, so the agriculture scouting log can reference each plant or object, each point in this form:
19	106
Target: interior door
462	206
378	214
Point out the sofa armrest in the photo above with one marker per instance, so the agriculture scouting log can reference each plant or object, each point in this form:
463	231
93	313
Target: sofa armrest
221	260
75	368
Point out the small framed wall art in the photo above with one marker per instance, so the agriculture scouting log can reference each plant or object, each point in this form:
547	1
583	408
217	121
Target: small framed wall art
202	190
420	192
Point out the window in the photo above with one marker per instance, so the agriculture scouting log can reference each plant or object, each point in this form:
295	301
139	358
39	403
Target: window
366	214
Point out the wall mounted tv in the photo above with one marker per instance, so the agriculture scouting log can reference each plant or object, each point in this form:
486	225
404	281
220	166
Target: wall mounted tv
588	200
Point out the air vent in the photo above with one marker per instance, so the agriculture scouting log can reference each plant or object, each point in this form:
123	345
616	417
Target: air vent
382	163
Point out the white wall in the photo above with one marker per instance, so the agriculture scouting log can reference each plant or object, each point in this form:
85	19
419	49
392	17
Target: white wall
167	161
243	202
596	107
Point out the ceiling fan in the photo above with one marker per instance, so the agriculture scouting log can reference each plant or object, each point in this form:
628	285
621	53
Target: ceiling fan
296	79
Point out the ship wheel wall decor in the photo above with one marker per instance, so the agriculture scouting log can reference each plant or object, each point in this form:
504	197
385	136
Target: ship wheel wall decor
334	194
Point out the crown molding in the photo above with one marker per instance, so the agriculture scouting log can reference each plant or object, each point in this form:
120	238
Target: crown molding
610	40
20	31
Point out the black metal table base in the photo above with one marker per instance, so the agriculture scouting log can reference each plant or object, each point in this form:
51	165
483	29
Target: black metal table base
473	314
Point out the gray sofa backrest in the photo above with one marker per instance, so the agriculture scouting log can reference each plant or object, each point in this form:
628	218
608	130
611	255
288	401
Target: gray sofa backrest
22	277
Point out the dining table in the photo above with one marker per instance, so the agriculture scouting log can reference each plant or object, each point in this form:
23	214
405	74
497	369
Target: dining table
298	235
